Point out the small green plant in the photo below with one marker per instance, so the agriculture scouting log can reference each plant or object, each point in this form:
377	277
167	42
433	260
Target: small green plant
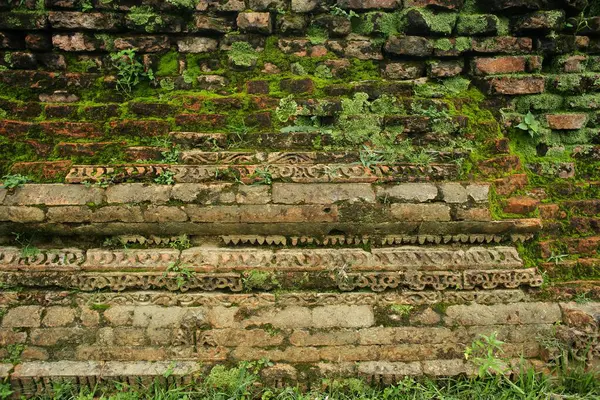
287	109
130	71
188	76
323	72
86	5
27	249
297	69
317	35
99	306
171	156
484	353
167	84
181	274
165	178
402	310
340	12
5	390
556	258
582	298
242	54
145	16
262	176
530	125
181	243
14	181
185	4
255	279
14	352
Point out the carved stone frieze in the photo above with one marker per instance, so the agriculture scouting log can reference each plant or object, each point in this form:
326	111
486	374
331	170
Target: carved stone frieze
288	172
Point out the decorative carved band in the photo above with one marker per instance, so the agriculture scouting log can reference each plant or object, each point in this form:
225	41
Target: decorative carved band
303	299
334	240
287	172
390	258
376	281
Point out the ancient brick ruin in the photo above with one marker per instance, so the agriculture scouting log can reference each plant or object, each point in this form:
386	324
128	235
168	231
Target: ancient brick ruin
347	188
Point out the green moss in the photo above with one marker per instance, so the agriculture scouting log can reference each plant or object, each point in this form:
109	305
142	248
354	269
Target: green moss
538	102
568	82
443	44
242	54
462	44
584	101
168	64
473	24
317	34
99	307
438	22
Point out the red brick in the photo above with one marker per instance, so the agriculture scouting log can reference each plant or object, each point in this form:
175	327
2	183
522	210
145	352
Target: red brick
83	149
521	205
71	129
566	121
549	211
140	128
508	185
45	169
499	65
191	121
14	129
515	85
500	165
502	44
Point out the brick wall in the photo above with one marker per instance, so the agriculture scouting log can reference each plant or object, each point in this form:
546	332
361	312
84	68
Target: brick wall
382	181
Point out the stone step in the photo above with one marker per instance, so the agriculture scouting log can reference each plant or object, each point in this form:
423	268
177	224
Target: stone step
300	173
300	221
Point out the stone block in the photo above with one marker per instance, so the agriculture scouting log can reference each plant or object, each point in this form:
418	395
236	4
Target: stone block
453	192
9	336
389	369
348	353
341	337
69	214
421	212
259	22
57	336
417	46
85	20
404	70
197	45
321	193
23	317
409	192
54	195
479	193
137	193
342	316
503	314
21	214
370	4
58	316
165	214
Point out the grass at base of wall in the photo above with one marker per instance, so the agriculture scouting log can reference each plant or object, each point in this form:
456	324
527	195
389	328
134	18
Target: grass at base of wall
244	383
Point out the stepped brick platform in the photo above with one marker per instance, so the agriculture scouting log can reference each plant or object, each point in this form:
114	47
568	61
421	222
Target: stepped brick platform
346	188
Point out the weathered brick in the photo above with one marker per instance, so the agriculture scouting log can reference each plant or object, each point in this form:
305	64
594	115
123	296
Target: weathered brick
23	317
421	212
57	336
21	214
71	129
255	22
409	46
66	214
302	337
515	85
499	65
502	44
446	4
503	314
58	316
411	192
453	192
321	193
137	193
197	45
369	4
540	22
404	70
75	42
165	214
54	195
84	20
520	205
566	121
